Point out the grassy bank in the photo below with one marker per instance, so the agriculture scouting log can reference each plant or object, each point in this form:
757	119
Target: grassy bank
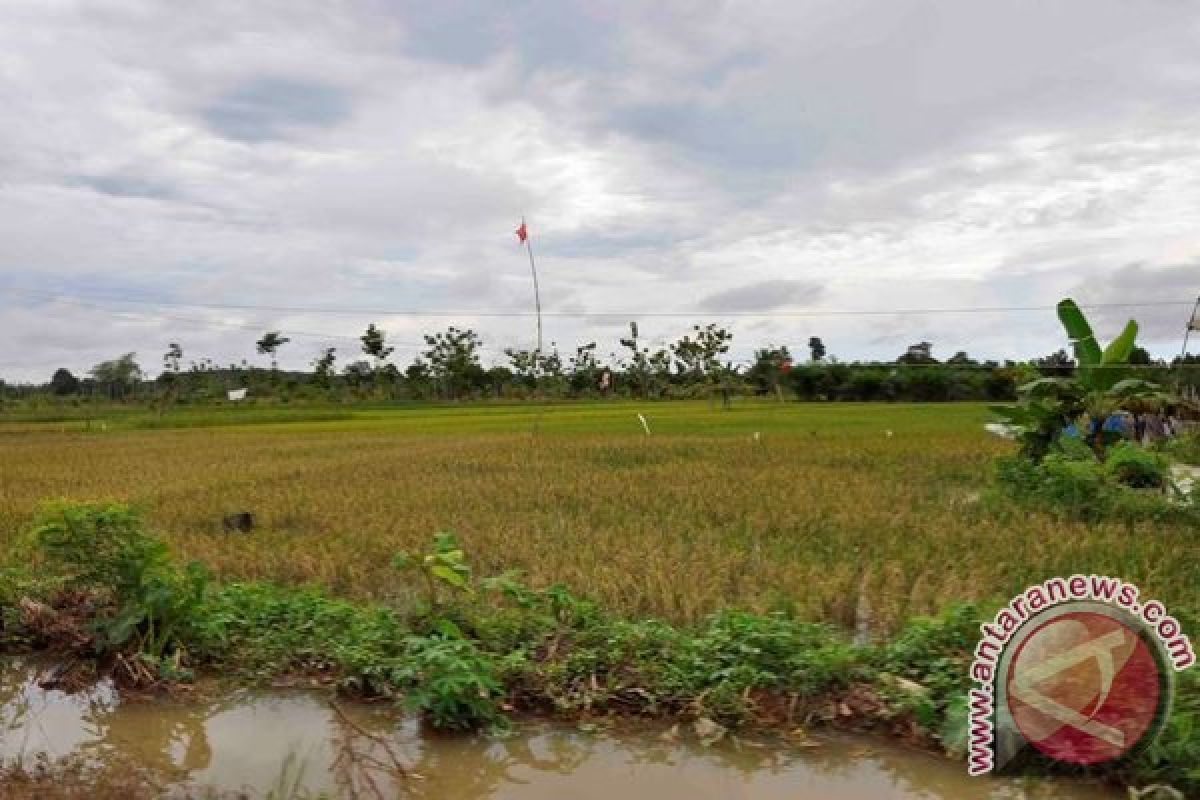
832	511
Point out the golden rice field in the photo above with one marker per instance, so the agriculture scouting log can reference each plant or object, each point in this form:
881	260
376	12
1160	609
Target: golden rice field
822	507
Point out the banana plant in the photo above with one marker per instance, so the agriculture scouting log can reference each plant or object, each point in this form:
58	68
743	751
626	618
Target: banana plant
1099	370
1045	408
1049	405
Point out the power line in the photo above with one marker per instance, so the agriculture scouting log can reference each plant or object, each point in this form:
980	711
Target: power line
583	314
212	323
83	302
215	323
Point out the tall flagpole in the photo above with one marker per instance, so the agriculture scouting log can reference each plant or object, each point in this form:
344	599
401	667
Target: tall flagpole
537	297
1188	330
523	231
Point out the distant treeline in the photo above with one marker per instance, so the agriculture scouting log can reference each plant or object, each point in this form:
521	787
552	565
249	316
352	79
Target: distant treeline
450	368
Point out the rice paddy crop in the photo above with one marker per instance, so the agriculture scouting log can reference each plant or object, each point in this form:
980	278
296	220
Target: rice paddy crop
833	511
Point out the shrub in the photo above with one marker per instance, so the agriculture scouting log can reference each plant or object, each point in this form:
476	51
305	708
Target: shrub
1121	488
1136	467
450	681
1185	447
934	652
145	600
1072	484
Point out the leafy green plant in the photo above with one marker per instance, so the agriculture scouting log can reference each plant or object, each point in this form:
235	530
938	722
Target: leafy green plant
147	602
737	651
1072	484
1184	448
1136	467
1099	369
443	565
451	682
1083	488
1045	407
930	650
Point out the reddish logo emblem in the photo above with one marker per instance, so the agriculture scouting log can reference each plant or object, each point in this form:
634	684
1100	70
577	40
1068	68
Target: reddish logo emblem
1084	687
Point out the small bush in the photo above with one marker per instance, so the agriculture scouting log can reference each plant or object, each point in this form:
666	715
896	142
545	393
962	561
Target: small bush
1184	447
451	682
1072	484
144	599
1135	467
1122	488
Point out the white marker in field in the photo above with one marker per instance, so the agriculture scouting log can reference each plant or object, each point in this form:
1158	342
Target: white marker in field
645	425
889	434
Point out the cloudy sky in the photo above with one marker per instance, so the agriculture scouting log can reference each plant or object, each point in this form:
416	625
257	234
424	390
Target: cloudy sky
202	172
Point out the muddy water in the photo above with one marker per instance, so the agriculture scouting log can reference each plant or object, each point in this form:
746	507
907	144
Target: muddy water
293	742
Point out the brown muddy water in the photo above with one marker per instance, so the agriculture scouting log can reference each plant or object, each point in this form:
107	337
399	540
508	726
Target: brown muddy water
294	744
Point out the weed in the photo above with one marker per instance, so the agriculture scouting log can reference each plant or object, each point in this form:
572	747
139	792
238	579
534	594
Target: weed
1136	467
442	565
1185	447
145	602
450	681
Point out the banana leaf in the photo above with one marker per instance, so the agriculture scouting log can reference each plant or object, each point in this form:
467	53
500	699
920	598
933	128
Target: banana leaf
1083	340
1043	387
1132	387
1120	348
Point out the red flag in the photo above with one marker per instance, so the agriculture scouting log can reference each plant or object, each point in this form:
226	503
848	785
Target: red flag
522	233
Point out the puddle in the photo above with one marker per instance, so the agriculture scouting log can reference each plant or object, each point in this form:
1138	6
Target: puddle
260	742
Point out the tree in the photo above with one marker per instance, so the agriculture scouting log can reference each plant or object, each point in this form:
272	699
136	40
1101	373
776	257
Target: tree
1059	363
169	378
119	376
323	371
63	383
961	359
418	378
698	357
453	358
499	378
359	374
816	348
525	365
374	344
583	368
550	368
172	357
269	345
638	367
771	364
919	353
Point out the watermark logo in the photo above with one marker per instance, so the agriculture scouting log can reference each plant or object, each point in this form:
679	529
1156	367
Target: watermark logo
1077	669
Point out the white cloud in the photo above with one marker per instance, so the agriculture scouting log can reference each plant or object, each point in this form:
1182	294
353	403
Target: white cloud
377	155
